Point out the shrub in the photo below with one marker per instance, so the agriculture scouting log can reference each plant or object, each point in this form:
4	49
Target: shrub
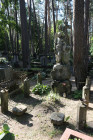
41	89
77	94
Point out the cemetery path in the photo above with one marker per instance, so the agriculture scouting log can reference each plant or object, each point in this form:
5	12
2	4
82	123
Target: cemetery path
35	123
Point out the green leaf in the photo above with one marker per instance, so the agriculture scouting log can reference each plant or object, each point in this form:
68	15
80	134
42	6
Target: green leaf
67	118
6	127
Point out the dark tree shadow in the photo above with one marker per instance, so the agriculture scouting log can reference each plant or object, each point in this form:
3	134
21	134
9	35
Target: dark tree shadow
23	119
91	97
59	103
64	126
29	101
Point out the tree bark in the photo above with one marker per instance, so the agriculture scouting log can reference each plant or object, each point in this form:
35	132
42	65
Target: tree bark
78	42
53	17
46	37
87	2
24	34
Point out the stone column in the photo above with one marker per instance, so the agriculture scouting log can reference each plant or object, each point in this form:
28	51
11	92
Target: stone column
81	116
4	101
26	88
85	95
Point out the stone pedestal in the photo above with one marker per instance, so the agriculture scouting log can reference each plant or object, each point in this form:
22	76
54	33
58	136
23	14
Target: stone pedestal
57	118
85	95
26	88
81	116
61	87
4	101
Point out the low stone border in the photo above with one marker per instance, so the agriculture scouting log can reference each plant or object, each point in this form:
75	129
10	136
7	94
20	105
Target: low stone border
69	132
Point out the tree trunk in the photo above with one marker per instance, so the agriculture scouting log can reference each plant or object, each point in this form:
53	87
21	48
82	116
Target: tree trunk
53	17
86	39
78	42
49	26
46	37
31	46
24	33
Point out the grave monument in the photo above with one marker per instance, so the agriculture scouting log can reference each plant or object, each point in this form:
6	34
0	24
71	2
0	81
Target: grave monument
61	70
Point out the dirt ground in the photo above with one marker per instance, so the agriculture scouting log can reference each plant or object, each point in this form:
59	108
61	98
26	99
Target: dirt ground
35	124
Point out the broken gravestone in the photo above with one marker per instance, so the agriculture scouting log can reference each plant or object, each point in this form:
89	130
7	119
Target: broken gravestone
19	110
57	118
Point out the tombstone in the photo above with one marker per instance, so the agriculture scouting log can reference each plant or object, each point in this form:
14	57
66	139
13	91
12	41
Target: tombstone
4	101
43	60
61	70
19	110
26	88
39	78
81	116
6	72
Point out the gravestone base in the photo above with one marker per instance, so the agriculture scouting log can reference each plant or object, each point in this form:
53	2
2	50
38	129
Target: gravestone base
61	87
57	118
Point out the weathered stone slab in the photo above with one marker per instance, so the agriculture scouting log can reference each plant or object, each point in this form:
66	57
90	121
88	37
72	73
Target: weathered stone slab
57	118
19	110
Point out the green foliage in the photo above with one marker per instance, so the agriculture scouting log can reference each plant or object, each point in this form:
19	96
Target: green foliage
67	118
3	60
41	89
55	132
91	49
5	134
77	94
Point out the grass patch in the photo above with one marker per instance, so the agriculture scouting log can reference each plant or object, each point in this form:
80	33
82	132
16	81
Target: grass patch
54	133
53	97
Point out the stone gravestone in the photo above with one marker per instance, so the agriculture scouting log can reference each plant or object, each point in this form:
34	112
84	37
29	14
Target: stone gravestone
61	70
6	72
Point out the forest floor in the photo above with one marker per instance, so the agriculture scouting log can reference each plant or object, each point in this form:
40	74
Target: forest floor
35	124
